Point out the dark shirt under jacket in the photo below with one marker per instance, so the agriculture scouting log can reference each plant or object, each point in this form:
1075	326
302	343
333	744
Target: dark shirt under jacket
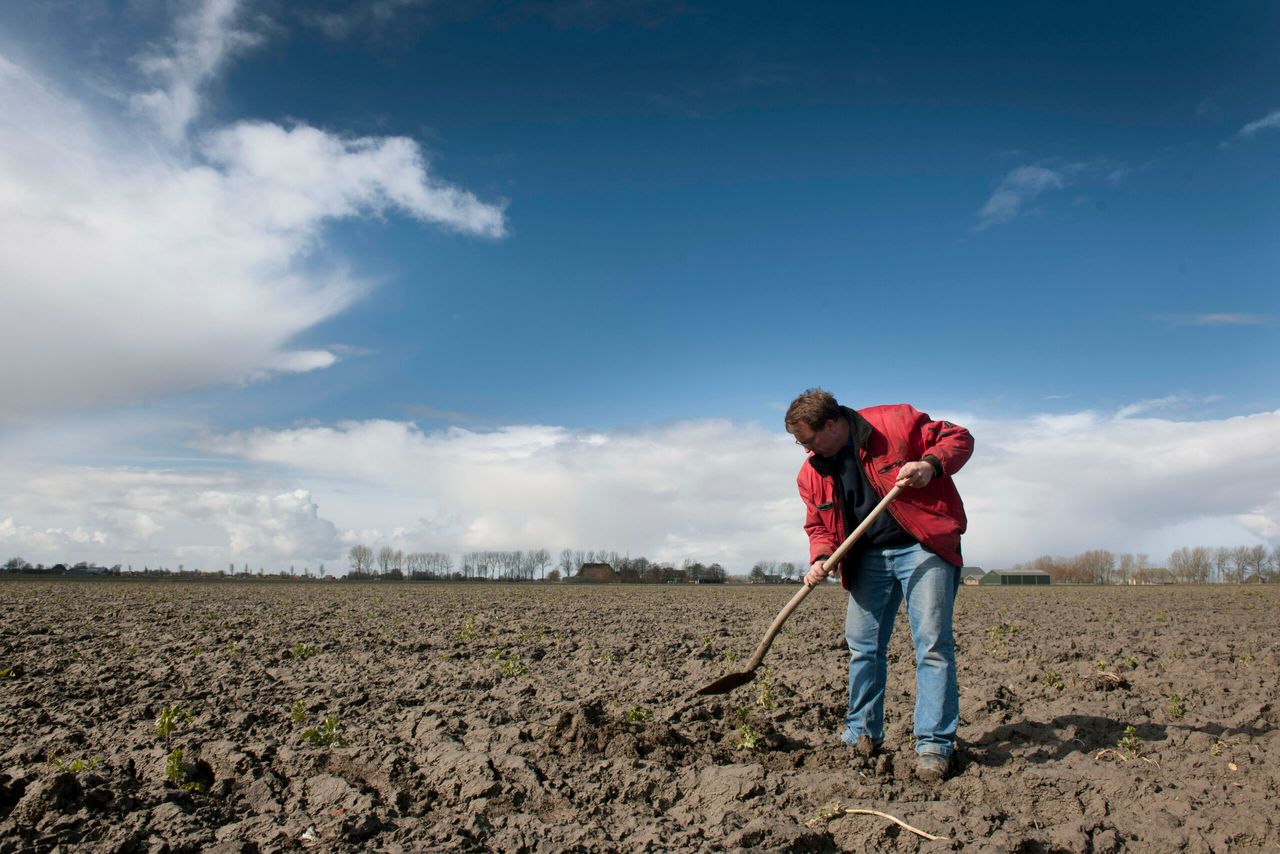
858	499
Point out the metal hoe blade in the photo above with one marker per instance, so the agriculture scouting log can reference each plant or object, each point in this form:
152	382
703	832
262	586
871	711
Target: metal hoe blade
725	684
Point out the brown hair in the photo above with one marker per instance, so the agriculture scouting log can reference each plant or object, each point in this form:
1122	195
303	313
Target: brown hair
814	408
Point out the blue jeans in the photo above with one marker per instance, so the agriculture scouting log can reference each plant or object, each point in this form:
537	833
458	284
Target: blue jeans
929	585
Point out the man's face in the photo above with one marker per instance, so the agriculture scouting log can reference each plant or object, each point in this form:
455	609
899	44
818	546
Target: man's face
825	441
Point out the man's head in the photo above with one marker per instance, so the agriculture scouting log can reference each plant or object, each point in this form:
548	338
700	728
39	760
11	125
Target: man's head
817	423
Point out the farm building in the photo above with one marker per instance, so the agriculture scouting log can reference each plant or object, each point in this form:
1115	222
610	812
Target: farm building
1015	576
971	574
598	572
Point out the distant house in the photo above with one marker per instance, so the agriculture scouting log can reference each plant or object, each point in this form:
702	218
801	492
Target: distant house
599	573
1008	577
972	574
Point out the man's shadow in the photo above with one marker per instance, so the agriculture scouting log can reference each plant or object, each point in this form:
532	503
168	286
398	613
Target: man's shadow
1058	738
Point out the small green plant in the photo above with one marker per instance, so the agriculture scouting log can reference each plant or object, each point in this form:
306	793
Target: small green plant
513	667
197	650
1001	633
171	718
1100	664
730	656
178	772
302	650
469	632
637	715
1246	657
706	644
298	714
1131	662
75	766
1129	745
328	734
764	690
495	654
131	650
1053	679
749	738
1177	706
8	673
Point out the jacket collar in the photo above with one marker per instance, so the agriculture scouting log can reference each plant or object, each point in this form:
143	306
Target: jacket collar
859	431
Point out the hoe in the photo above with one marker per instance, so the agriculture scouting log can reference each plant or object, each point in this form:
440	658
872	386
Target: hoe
725	684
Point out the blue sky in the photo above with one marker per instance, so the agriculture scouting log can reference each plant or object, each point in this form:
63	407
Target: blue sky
619	238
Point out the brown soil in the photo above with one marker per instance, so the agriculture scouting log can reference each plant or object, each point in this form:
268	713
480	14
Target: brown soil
523	717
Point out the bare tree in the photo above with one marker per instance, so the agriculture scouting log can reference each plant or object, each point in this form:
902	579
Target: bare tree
1254	561
1222	564
386	555
361	557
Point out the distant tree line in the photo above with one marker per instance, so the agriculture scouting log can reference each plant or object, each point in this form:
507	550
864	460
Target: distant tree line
1186	565
524	565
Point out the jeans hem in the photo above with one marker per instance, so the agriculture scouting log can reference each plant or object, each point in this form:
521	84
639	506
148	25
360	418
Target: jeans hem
935	750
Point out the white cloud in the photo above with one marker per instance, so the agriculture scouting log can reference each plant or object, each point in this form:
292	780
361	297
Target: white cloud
21	540
1016	189
1271	121
158	517
712	490
134	267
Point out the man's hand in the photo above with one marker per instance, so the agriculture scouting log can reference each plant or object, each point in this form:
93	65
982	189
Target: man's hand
915	475
816	574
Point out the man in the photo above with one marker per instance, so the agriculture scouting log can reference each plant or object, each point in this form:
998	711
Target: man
911	551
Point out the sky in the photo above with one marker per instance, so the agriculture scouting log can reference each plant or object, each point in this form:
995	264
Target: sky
281	278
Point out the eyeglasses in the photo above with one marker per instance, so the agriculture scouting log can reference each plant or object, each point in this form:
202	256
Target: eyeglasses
808	443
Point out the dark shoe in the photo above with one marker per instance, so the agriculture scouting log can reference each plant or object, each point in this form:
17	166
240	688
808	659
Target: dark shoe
932	767
865	747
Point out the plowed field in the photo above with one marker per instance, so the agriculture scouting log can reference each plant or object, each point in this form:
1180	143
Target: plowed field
344	717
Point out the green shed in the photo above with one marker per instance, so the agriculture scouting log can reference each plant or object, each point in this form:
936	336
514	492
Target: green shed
1015	576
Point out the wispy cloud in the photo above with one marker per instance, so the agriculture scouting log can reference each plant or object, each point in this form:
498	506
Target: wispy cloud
1271	121
1217	319
1018	188
204	40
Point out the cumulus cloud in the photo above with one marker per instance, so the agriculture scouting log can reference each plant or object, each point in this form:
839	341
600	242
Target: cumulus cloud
165	267
1127	480
138	516
712	490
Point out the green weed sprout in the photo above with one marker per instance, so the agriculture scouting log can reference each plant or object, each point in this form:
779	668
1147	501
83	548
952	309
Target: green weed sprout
302	650
328	734
1129	745
749	738
178	772
1177	706
637	715
764	689
513	667
1052	679
8	673
171	718
298	714
75	766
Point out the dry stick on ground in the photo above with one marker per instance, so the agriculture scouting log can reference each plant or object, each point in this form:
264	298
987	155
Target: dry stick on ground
900	823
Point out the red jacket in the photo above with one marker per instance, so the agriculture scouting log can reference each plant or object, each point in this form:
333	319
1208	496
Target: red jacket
888	437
